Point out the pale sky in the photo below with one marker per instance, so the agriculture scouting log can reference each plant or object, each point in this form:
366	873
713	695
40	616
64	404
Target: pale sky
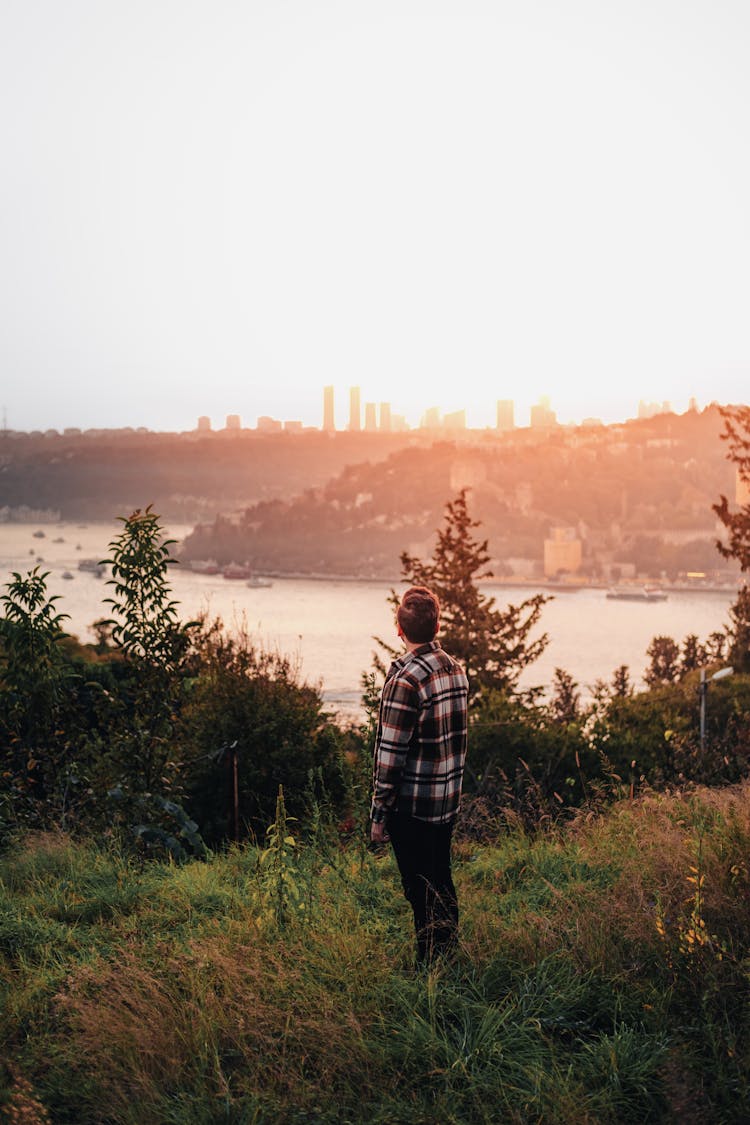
219	207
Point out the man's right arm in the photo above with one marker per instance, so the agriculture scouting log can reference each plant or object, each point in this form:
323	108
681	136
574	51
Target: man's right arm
398	718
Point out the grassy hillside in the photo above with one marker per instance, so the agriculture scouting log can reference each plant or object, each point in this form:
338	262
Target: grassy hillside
602	977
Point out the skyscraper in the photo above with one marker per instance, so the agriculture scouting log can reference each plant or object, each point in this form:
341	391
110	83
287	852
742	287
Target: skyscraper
371	420
385	417
355	413
542	416
329	424
505	419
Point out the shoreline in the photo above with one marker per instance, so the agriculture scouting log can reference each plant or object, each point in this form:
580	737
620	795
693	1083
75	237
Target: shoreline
509	583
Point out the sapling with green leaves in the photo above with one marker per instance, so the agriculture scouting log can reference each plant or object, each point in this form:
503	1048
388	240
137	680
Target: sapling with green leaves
147	630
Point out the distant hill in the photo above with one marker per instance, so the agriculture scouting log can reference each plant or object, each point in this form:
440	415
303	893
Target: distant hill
187	477
637	493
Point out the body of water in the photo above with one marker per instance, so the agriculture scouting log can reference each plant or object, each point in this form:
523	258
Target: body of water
328	626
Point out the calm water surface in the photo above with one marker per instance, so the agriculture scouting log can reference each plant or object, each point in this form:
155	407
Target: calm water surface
327	626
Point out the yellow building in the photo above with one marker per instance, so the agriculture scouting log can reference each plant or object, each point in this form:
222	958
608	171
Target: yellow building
563	551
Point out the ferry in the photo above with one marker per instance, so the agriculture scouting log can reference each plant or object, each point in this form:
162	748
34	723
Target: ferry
234	570
637	594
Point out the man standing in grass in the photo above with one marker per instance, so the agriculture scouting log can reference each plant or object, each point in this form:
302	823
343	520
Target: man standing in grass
420	752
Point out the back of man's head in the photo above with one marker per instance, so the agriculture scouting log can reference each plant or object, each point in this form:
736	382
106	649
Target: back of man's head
418	615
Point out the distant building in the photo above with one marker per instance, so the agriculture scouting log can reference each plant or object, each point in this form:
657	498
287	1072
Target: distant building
693	405
204	424
385	417
72	431
399	425
371	417
563	552
329	424
268	425
355	411
431	418
542	417
455	421
652	409
505	415
293	427
233	422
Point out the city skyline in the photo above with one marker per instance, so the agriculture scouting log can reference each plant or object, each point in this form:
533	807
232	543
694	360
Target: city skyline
224	208
379	417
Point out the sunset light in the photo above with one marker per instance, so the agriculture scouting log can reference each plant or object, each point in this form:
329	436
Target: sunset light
215	209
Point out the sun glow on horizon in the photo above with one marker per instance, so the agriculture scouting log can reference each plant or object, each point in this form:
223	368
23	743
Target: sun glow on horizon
215	210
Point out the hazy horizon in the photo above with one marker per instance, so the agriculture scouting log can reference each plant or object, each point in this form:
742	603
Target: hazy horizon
219	209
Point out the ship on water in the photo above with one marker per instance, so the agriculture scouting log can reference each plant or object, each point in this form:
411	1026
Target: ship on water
637	594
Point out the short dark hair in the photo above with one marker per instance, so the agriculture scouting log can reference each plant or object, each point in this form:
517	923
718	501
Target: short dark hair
418	615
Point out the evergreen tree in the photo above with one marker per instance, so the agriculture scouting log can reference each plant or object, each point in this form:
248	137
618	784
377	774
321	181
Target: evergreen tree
566	699
737	436
739	632
664	654
621	685
693	654
494	645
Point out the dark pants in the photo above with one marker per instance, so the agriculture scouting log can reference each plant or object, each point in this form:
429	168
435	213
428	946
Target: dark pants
423	855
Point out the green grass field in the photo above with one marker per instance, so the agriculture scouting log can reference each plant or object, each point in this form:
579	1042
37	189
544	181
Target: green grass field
602	977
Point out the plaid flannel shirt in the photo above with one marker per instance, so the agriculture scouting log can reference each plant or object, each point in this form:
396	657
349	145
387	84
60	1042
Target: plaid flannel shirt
420	747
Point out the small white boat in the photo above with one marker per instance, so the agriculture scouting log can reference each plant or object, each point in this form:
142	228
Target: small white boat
256	582
637	594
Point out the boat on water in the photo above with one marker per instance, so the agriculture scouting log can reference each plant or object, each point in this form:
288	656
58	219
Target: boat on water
637	594
93	566
203	566
256	582
234	570
39	534
66	575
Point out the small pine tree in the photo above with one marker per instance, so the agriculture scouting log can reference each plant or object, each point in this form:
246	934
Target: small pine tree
566	699
621	684
664	654
736	434
739	632
494	646
693	654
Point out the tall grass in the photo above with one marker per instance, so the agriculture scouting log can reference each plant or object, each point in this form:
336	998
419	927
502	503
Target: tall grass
602	976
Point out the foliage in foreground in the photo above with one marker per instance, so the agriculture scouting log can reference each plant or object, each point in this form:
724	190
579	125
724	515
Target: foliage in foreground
602	977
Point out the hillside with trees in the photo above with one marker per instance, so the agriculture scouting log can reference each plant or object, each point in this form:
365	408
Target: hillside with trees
187	476
637	494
